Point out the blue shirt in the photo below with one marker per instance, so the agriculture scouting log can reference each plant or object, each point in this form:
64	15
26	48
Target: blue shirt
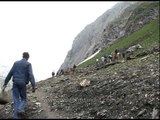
21	71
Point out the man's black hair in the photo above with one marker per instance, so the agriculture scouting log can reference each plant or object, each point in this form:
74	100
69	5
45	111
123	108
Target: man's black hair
26	55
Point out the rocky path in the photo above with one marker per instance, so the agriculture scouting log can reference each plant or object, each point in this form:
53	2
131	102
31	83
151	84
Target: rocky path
42	101
40	95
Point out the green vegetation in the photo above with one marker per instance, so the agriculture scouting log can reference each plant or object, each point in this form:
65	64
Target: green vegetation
143	10
148	37
147	5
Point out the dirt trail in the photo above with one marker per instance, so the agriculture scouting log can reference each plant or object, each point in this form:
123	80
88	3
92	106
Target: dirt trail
41	97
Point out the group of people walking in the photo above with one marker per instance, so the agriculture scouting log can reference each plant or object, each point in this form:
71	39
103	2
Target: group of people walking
115	56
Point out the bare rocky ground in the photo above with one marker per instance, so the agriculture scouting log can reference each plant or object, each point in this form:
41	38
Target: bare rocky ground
128	90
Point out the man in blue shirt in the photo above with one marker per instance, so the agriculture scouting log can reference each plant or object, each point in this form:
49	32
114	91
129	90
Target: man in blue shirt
21	72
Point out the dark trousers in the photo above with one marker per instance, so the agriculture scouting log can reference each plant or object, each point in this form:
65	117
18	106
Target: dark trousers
19	97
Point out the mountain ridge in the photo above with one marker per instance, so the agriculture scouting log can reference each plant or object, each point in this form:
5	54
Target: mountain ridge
115	23
126	89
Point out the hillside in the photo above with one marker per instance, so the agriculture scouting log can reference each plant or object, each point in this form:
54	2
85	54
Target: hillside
147	36
127	89
116	23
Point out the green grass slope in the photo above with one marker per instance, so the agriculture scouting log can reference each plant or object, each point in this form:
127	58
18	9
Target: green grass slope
148	37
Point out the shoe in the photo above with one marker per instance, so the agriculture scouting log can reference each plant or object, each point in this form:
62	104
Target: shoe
21	114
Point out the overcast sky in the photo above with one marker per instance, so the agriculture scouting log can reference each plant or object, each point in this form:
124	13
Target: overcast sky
44	29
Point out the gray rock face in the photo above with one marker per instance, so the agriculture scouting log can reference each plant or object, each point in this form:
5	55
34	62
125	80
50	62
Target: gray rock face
120	21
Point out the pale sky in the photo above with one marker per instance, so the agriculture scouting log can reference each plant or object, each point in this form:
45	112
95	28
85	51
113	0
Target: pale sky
44	29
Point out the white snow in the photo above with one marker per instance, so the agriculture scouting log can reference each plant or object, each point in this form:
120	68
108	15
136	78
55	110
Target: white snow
90	57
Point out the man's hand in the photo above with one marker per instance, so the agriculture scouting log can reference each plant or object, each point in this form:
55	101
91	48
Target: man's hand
3	88
34	89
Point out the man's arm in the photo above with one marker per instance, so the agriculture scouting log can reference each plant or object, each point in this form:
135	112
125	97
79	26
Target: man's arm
31	77
10	74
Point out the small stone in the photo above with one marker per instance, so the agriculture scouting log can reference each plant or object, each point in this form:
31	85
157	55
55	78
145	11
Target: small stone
141	112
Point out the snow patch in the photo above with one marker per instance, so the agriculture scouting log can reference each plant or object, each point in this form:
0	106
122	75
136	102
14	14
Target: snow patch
90	57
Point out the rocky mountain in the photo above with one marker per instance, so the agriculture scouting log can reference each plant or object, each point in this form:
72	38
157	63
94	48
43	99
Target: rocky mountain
120	21
125	89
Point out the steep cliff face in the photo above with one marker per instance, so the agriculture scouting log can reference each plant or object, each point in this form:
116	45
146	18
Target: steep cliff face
120	21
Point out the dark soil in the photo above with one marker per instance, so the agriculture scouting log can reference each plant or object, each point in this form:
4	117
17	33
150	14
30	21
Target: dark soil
128	90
